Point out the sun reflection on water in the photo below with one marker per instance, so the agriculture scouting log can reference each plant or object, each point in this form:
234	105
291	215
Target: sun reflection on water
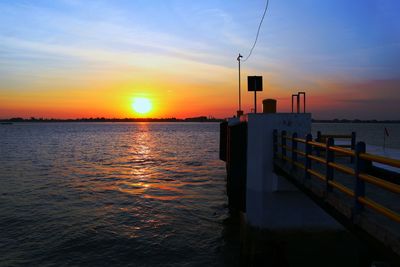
122	189
145	179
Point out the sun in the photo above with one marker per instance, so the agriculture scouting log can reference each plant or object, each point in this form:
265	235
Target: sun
141	105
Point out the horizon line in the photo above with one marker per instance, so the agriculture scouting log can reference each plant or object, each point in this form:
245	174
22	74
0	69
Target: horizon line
172	119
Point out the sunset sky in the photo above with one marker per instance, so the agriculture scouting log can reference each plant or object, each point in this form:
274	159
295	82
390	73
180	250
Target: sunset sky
72	59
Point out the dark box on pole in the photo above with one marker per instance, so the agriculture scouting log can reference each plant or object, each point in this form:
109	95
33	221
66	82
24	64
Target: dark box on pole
254	83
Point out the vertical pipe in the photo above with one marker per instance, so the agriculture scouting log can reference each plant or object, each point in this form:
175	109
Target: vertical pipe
298	103
304	101
292	104
359	166
308	152
330	157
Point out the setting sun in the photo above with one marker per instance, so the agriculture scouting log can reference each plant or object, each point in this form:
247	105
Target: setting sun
141	105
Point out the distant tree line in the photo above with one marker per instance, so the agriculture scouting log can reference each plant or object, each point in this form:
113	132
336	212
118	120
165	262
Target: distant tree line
102	119
193	119
355	121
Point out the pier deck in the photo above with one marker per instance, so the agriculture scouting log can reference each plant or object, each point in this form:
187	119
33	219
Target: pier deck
340	196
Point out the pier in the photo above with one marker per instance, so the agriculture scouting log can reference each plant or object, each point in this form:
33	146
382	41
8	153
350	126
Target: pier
346	190
281	178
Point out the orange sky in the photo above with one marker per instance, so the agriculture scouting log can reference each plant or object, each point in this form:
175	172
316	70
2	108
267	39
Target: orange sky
61	60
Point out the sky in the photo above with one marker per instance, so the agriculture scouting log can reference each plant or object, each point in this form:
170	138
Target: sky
73	59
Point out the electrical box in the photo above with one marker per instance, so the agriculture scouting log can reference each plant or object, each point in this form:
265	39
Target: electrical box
254	83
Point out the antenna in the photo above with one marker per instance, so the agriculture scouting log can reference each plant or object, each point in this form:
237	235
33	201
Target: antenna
240	112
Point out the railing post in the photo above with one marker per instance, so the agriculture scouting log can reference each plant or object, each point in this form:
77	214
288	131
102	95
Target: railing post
294	150
283	143
330	157
319	139
308	152
275	144
353	145
359	166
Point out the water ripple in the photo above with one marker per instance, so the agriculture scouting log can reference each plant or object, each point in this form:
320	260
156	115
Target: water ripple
121	194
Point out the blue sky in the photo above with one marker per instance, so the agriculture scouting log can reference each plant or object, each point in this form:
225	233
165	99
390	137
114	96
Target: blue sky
345	54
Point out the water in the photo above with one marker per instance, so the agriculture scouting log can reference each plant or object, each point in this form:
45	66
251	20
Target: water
138	194
127	194
370	133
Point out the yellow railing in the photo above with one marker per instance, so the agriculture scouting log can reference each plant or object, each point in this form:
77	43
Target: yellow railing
358	171
322	138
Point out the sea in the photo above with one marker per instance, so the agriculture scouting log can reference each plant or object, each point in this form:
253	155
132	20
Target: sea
122	194
374	134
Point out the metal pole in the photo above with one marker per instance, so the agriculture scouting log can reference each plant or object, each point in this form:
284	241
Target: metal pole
255	101
304	101
292	103
240	97
298	103
359	167
330	157
294	150
307	159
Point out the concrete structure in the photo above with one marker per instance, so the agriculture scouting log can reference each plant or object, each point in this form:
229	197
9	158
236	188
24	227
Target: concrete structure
272	202
275	215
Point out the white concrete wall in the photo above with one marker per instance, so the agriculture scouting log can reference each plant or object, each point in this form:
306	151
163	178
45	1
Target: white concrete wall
260	176
271	201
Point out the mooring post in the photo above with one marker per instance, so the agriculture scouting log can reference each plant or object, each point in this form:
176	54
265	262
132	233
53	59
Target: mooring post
330	157
294	150
308	152
359	166
275	144
283	143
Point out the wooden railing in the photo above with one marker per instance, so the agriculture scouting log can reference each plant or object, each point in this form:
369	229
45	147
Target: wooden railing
358	170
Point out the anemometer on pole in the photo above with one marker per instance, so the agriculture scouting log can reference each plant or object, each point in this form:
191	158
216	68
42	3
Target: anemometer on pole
254	82
240	111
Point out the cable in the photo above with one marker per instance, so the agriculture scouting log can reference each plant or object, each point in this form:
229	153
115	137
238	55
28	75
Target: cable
258	32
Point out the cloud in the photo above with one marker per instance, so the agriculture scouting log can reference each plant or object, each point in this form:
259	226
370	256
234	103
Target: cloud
112	37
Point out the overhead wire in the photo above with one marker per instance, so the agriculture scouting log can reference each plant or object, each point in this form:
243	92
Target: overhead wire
258	32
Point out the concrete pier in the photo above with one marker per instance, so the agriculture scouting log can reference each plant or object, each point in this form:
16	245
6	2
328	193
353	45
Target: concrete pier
271	201
273	211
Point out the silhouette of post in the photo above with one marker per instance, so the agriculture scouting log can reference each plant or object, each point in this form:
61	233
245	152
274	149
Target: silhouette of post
254	83
239	112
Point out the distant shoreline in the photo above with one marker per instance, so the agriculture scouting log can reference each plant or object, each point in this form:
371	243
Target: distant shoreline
194	119
354	121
